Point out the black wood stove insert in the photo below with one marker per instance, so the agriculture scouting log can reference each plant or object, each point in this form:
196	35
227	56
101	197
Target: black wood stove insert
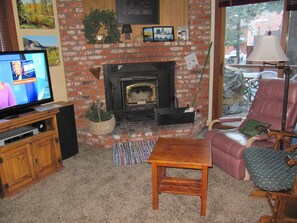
134	90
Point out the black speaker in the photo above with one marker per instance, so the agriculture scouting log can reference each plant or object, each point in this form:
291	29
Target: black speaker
67	131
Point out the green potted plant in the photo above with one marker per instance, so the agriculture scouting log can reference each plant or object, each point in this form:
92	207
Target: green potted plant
100	121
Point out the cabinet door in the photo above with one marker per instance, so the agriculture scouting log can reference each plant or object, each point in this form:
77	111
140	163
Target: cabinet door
16	169
44	155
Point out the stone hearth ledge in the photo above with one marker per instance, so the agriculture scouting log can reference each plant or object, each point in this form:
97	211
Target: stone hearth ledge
140	131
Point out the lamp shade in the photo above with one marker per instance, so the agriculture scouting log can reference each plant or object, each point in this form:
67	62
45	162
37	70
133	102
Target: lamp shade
268	49
126	28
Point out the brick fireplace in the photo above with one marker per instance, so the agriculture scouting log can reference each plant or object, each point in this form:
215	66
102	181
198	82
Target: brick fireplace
83	87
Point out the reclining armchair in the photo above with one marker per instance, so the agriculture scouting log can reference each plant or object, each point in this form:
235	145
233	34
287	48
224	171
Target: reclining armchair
227	145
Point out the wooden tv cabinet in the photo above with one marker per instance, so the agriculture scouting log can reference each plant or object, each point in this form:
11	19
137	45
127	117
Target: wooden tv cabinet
28	159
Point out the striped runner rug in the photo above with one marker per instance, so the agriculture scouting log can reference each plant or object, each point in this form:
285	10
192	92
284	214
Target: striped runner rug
126	153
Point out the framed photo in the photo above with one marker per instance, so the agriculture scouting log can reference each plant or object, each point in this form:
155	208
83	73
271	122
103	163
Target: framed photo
163	33
148	34
137	11
182	33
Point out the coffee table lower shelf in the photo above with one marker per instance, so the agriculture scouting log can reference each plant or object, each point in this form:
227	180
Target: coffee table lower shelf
183	186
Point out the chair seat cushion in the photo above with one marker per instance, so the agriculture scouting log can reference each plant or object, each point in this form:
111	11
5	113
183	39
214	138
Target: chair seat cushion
268	168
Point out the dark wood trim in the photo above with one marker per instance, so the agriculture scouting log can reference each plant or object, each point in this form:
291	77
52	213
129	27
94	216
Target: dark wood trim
12	25
285	28
291	5
259	66
219	46
226	3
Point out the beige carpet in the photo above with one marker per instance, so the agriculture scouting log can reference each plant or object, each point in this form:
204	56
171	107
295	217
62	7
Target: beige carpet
91	189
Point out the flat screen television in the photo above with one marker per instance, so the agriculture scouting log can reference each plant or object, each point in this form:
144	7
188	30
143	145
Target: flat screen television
24	81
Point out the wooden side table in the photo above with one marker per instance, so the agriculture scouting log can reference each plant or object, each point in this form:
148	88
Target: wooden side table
180	153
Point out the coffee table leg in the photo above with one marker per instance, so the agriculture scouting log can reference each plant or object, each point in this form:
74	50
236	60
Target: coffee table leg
161	174
155	186
204	190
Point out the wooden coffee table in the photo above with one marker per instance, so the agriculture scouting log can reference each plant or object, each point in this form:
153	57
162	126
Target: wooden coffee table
180	153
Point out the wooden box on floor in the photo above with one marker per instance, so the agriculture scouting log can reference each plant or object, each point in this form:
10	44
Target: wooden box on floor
166	116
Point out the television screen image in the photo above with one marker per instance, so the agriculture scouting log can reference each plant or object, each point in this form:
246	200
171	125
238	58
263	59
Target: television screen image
24	81
23	71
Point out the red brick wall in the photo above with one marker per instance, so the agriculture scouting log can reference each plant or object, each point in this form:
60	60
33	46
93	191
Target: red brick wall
83	87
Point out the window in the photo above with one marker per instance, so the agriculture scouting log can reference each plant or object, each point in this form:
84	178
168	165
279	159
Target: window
236	32
245	23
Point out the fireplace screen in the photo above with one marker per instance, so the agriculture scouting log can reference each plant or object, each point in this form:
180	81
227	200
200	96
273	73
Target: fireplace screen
134	90
139	94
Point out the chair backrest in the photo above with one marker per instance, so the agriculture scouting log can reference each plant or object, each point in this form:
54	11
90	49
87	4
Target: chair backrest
267	74
267	105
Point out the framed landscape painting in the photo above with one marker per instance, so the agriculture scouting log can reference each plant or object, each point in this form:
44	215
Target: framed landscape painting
48	43
36	14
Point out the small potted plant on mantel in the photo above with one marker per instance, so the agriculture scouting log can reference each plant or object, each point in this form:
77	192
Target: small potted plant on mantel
100	121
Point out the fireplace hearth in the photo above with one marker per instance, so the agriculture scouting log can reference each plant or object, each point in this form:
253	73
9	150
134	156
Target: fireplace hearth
134	90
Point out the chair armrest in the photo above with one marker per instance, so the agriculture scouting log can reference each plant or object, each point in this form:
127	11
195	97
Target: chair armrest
224	120
291	160
283	136
255	138
278	135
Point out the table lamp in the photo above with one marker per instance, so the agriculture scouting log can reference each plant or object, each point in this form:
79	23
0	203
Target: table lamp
127	29
269	51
